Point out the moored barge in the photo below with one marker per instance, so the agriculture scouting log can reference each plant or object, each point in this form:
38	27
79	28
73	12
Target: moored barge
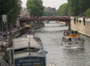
26	51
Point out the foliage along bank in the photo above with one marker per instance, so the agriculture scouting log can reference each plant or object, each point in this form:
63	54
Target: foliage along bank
35	7
75	8
12	9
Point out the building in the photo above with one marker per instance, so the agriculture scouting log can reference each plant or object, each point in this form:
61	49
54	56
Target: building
49	9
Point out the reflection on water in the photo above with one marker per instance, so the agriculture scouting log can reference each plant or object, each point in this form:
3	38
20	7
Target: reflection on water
51	36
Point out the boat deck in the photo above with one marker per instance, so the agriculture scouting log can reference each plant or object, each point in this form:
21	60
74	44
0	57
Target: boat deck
25	42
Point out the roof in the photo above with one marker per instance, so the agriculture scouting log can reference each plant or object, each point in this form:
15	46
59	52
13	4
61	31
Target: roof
24	42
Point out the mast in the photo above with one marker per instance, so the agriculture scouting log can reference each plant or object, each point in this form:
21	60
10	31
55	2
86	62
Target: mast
29	45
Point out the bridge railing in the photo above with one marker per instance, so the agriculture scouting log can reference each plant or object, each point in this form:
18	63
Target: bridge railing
43	18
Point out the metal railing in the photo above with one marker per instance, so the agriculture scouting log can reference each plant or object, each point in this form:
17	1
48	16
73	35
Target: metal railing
3	63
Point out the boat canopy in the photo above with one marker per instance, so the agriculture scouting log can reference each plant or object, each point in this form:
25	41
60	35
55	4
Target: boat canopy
71	34
27	26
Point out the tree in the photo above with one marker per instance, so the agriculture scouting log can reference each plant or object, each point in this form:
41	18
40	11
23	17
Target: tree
50	13
12	9
73	7
35	8
63	9
78	7
87	13
14	13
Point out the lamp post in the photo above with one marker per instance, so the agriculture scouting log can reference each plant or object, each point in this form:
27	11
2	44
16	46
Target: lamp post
4	22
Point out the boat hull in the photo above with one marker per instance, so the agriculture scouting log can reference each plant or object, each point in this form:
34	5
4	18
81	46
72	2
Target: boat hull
73	44
30	61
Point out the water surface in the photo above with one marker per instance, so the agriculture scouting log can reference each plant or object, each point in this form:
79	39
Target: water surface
57	55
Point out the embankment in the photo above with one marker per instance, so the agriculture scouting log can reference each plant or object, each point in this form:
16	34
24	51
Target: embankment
81	24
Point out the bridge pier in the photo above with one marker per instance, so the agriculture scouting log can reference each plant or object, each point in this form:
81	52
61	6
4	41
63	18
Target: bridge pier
69	25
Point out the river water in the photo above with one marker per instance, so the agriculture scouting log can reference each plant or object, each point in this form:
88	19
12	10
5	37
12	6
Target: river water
57	55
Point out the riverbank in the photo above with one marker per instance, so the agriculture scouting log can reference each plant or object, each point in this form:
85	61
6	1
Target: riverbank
7	42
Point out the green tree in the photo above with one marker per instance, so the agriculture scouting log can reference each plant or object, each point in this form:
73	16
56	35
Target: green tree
50	13
63	9
87	13
14	13
78	7
35	8
73	7
12	9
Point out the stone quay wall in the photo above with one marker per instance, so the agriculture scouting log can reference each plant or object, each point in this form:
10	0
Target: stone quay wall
81	24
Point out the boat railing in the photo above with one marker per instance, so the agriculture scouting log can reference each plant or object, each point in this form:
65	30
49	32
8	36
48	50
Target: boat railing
3	63
71	39
38	40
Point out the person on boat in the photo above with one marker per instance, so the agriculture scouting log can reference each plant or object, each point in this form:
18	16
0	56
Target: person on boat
76	32
70	39
66	33
72	32
4	35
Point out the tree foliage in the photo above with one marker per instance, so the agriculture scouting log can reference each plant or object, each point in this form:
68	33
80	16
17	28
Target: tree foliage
87	13
35	7
78	7
63	9
12	9
50	13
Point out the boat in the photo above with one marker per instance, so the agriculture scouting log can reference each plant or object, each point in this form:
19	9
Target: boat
72	40
26	51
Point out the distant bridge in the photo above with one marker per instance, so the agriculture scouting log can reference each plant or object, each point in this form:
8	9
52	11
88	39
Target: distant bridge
46	18
36	21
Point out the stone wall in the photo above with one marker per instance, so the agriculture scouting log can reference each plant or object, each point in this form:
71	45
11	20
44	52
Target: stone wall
81	24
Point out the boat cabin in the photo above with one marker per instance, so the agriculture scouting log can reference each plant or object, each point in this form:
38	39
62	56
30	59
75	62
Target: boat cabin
71	34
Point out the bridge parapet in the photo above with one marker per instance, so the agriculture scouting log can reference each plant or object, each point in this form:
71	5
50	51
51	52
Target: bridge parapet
44	18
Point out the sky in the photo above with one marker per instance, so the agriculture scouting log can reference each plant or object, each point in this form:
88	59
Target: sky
49	3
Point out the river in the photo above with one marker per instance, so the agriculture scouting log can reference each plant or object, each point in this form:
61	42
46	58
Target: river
51	36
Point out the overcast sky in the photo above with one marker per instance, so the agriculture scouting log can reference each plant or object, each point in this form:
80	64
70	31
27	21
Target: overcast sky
49	3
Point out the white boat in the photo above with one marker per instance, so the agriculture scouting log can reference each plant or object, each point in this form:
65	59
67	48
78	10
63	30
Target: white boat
26	51
72	40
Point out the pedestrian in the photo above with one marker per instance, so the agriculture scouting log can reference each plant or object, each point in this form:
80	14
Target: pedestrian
4	35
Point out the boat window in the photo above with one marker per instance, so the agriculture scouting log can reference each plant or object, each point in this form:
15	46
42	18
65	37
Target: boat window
25	50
